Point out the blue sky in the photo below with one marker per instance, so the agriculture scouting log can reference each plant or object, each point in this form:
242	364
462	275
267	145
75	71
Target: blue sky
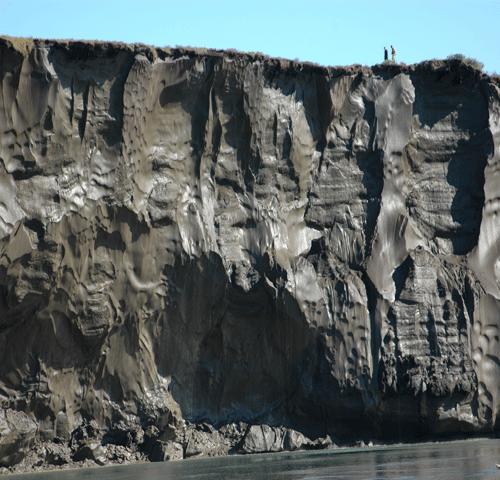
329	32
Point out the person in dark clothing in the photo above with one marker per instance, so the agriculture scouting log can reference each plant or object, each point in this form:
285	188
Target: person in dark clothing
393	52
386	55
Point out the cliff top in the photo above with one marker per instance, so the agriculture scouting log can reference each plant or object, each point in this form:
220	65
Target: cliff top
87	48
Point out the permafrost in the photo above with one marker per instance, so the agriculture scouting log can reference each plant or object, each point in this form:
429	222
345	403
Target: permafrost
207	252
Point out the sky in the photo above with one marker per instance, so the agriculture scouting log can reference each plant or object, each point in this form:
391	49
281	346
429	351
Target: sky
328	32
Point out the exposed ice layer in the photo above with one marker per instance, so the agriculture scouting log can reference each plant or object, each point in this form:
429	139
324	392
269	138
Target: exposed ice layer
485	261
214	237
393	112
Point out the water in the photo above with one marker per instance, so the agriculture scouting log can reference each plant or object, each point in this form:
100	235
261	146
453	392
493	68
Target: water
460	460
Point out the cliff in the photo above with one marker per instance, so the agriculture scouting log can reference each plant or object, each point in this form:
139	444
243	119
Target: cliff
204	252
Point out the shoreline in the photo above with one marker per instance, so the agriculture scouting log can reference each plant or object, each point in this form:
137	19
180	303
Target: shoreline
341	450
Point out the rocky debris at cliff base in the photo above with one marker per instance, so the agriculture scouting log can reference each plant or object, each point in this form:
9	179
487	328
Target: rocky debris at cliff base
57	454
200	440
17	436
163	451
91	450
263	438
210	443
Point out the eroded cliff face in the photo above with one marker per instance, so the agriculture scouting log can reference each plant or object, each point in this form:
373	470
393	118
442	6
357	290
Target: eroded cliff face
196	242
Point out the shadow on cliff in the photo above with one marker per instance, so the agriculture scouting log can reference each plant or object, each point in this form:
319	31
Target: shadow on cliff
466	174
444	101
72	64
233	354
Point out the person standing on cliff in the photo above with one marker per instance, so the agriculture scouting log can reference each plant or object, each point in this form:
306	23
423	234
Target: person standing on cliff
386	55
393	52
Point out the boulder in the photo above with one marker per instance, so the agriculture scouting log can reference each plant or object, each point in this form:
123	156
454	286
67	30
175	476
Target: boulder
91	450
17	434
